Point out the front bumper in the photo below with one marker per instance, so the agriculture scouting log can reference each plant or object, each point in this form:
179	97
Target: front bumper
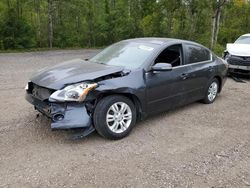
237	69
239	65
62	115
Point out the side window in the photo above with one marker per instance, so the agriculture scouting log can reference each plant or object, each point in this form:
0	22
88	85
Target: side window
197	54
171	55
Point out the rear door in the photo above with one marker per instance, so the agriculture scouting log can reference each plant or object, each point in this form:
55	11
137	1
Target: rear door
202	68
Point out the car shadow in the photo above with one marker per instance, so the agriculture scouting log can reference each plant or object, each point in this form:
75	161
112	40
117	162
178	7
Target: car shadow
177	110
240	78
40	126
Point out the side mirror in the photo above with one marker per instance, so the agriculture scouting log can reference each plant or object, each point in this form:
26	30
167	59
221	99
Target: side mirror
162	67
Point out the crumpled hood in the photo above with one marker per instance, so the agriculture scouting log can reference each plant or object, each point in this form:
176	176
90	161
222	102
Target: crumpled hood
239	49
77	70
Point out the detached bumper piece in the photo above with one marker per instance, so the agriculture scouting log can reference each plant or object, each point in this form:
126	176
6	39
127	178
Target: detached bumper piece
67	116
239	65
64	115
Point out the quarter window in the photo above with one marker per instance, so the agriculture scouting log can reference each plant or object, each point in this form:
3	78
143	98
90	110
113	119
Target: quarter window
197	54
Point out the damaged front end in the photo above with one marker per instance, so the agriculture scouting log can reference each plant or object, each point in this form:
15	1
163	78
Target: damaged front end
238	57
71	107
66	108
239	64
68	93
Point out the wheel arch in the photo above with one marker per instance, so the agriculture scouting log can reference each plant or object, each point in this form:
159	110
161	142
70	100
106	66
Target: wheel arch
136	101
220	82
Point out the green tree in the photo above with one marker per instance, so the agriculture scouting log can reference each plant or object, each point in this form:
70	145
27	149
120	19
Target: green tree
16	32
91	23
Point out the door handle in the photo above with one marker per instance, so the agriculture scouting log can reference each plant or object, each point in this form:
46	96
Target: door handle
184	76
210	68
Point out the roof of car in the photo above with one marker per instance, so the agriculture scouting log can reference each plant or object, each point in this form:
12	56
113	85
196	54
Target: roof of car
160	41
246	35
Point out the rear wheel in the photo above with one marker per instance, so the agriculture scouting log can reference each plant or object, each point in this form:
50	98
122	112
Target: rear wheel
114	117
212	91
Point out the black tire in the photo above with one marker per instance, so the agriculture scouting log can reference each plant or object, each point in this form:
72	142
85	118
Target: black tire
206	99
100	113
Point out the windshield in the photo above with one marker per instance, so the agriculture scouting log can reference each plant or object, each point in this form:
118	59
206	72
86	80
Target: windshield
243	40
126	53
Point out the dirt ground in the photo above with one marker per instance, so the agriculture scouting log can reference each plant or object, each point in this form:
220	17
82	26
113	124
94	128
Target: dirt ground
194	146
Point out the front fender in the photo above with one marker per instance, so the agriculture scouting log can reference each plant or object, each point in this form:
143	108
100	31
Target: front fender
131	84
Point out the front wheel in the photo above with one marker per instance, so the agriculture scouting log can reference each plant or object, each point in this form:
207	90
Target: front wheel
114	117
211	92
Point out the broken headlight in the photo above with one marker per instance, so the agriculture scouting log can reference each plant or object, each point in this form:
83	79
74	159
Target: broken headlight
226	55
75	92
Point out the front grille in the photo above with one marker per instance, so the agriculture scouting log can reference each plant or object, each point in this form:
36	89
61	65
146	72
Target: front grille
39	92
238	60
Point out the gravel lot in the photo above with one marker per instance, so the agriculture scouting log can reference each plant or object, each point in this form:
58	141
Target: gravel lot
194	146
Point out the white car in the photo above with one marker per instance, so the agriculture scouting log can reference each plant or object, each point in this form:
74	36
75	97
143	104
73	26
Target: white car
237	55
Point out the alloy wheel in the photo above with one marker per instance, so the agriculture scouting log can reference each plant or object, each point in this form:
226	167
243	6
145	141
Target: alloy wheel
212	91
119	117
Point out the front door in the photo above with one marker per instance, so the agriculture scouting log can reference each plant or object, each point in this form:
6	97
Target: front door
166	90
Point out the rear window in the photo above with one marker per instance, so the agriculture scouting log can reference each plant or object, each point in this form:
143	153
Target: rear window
197	54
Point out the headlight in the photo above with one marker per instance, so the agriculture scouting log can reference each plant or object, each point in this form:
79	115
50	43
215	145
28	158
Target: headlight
76	92
226	55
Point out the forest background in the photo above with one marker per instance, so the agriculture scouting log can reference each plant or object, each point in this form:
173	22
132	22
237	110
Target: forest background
43	24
